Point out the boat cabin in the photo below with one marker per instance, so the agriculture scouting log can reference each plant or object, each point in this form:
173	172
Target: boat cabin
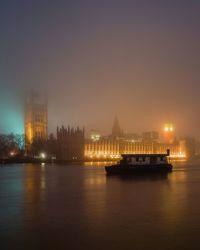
144	159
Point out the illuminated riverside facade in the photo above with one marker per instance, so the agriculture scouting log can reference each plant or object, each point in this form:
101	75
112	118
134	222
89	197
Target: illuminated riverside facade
70	143
110	149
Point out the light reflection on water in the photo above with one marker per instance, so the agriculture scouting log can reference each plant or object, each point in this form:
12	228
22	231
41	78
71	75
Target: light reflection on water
79	207
174	200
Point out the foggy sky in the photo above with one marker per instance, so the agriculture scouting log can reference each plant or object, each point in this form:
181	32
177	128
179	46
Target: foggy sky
137	59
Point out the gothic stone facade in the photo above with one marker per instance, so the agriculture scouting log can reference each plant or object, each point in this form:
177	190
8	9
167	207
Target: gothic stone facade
70	144
36	120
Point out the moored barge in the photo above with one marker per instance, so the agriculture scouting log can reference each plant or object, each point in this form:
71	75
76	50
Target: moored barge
141	164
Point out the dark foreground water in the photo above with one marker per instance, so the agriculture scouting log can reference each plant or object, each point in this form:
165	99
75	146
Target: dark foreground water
78	207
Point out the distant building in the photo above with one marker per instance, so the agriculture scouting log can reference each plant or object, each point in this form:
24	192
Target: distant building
70	144
116	130
197	149
189	145
151	136
132	137
36	121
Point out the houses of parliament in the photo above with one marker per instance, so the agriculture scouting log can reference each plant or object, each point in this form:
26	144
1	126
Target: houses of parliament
113	146
71	142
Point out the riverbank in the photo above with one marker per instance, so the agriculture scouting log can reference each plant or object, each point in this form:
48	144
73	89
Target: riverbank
34	160
19	160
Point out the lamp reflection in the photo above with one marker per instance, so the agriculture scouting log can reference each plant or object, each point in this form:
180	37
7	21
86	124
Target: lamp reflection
95	196
34	187
175	200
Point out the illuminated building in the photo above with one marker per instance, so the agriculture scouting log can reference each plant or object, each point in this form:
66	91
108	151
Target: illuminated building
111	147
35	118
189	145
103	149
168	133
108	149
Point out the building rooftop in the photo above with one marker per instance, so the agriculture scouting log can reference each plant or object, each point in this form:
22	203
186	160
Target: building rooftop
144	155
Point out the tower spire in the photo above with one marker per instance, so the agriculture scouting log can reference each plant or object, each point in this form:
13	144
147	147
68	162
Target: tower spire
36	120
116	130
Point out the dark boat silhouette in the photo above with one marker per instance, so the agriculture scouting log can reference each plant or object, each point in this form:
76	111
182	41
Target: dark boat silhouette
141	164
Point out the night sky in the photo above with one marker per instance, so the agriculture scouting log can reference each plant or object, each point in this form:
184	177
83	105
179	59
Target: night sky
138	59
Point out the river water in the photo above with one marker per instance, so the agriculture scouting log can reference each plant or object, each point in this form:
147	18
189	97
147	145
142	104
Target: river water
79	207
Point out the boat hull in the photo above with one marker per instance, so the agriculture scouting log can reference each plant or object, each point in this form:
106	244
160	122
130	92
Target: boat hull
138	169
